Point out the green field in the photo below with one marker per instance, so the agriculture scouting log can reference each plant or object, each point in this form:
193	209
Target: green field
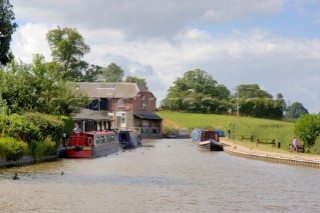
281	131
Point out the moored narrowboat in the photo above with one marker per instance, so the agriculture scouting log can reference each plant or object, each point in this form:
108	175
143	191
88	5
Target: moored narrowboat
129	138
91	144
207	139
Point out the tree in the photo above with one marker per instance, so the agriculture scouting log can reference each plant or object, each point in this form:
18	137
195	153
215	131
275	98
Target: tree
139	81
68	48
91	74
197	91
307	128
113	73
256	102
296	110
32	87
7	28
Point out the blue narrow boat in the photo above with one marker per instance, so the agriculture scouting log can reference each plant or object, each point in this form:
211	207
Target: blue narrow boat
129	139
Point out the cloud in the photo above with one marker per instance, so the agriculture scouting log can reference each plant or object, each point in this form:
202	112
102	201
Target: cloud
143	18
161	40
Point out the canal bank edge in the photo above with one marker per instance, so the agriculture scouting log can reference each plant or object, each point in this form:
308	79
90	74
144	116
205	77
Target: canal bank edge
26	160
283	158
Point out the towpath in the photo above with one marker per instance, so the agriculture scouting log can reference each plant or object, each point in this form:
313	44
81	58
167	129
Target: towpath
298	159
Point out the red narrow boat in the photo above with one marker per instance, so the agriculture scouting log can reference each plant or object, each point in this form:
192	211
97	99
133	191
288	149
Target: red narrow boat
91	144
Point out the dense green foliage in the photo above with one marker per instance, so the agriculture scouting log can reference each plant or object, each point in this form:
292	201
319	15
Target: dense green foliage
12	148
34	87
7	28
112	73
68	124
197	91
68	48
18	127
255	102
34	133
296	110
40	149
140	81
48	126
307	128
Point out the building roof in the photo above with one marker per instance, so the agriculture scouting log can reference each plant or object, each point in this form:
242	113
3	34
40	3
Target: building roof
86	114
111	90
147	115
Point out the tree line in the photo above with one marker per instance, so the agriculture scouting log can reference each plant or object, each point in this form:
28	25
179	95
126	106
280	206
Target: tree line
197	91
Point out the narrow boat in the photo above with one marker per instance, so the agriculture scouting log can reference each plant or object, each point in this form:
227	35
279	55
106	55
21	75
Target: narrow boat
207	139
129	138
91	144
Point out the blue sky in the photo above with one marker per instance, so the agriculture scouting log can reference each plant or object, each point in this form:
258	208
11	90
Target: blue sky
288	22
272	43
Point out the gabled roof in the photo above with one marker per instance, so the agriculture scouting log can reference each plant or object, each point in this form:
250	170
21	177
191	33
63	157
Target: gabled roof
111	90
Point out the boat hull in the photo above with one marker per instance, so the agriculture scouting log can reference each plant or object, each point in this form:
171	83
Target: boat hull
211	145
91	144
129	139
91	152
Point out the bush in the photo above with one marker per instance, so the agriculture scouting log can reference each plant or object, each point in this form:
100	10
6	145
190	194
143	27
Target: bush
12	149
40	149
18	127
48	125
68	124
307	128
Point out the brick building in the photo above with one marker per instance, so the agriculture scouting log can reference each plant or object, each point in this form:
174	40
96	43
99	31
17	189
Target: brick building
126	104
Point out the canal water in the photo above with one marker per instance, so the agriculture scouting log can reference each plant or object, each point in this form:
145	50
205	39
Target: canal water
165	175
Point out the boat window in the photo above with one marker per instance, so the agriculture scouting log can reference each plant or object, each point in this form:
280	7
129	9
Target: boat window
97	140
103	140
112	138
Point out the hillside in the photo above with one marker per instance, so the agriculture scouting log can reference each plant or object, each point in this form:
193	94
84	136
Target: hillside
260	128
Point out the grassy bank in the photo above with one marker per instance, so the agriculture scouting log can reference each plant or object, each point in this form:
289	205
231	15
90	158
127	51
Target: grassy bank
244	126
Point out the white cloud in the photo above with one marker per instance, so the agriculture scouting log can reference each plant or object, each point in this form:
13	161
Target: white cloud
143	18
167	42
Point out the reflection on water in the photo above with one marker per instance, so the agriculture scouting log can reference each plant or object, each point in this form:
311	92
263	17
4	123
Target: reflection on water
165	176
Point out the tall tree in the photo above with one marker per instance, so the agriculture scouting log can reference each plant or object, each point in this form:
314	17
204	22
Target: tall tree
139	81
253	101
197	91
7	28
296	110
91	74
113	73
68	48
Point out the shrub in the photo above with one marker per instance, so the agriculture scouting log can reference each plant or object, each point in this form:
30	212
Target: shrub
68	124
40	149
18	127
307	128
48	125
12	149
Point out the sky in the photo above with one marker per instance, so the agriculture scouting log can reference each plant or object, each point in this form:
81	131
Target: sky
272	43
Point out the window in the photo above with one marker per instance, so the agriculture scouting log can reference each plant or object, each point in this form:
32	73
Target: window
121	103
97	140
143	101
111	115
